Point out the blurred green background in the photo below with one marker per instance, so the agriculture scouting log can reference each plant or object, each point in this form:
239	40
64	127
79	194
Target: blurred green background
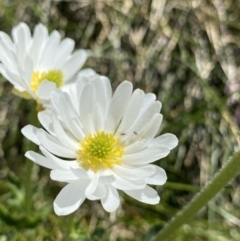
187	53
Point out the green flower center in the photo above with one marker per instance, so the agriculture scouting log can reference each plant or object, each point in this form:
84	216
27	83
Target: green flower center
55	76
100	151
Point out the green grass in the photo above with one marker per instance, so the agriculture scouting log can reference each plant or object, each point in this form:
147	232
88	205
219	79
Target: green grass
186	52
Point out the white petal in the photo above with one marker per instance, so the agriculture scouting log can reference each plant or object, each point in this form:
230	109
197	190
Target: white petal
21	35
55	99
45	88
45	119
111	200
106	179
134	173
62	176
40	36
92	186
88	72
49	51
157	178
46	162
30	131
74	63
150	154
70	198
7	57
68	141
87	108
153	127
78	171
62	164
118	105
64	50
142	120
70	117
168	140
103	95
136	146
99	193
123	184
146	195
54	146
132	111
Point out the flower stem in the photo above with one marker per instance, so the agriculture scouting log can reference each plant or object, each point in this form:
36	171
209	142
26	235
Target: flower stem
29	164
27	185
229	169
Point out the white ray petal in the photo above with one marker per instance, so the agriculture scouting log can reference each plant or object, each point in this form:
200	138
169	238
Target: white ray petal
146	195
159	177
70	198
118	105
111	200
146	156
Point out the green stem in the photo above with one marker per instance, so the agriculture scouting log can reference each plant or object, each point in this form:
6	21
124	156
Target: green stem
29	164
230	169
27	186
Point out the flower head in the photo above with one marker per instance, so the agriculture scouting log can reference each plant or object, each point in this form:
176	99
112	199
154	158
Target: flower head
99	143
37	64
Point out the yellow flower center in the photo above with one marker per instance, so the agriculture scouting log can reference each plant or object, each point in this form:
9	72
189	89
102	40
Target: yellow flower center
100	151
55	76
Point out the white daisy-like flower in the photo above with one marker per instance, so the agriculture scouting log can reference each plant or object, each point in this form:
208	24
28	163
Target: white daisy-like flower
37	64
99	143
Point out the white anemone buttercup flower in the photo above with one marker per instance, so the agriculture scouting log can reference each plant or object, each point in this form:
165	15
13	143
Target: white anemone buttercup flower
36	64
98	144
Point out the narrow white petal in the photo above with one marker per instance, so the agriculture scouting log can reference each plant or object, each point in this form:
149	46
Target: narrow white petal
62	176
62	135
134	173
74	63
111	200
124	184
136	146
70	198
150	154
45	119
40	36
88	72
103	95
92	186
99	193
55	99
21	36
54	146
132	111
106	179
64	50
168	140
118	105
152	128
46	162
70	117
146	195
7	57
50	50
78	171
87	108
142	120
157	178
30	131
62	164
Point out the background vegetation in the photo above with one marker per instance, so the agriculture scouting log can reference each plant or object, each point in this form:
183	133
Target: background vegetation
187	53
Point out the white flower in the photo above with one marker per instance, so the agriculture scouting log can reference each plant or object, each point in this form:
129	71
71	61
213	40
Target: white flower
99	143
37	64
